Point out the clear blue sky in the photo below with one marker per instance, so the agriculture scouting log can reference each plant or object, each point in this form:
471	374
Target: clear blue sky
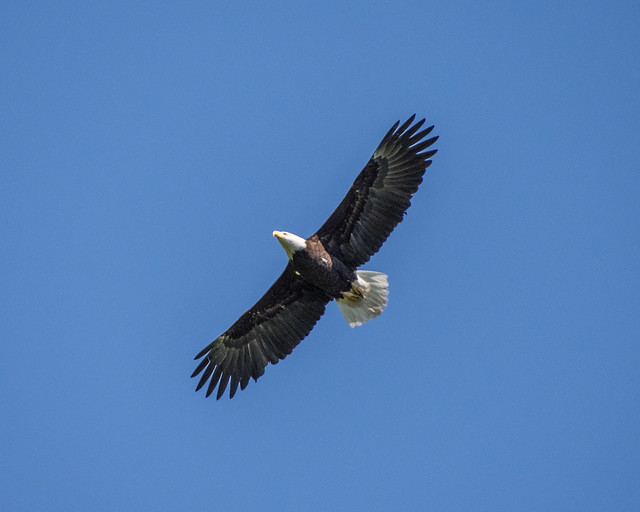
149	149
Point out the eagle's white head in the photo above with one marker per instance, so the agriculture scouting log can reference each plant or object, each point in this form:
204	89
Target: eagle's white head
290	242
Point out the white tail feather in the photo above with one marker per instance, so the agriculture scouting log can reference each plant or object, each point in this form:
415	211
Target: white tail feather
366	299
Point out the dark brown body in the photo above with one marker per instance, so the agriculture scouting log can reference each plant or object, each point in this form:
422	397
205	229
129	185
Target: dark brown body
320	268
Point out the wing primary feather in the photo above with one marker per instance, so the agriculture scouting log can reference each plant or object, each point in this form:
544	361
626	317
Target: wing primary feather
428	154
231	362
406	124
420	135
423	145
240	364
205	376
214	380
234	385
224	361
200	367
224	380
204	351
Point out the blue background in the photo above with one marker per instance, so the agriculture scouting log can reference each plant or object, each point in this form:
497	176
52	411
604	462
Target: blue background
149	149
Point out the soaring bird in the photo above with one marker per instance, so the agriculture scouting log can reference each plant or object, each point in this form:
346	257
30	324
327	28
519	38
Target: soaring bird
324	266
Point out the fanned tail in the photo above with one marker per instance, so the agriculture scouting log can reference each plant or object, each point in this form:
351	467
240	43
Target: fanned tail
366	299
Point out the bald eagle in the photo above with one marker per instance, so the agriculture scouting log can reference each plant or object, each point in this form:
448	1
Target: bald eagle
324	266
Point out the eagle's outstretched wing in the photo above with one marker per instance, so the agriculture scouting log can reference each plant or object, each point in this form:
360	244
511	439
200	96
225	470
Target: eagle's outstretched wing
266	333
379	196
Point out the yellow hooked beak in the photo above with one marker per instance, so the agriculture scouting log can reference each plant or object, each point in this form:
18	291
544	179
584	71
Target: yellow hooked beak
278	234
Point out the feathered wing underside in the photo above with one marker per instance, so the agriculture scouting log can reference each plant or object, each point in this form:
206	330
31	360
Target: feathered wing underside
266	333
380	195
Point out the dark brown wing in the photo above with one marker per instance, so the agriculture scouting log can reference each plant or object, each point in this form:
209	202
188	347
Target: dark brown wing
379	196
266	333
